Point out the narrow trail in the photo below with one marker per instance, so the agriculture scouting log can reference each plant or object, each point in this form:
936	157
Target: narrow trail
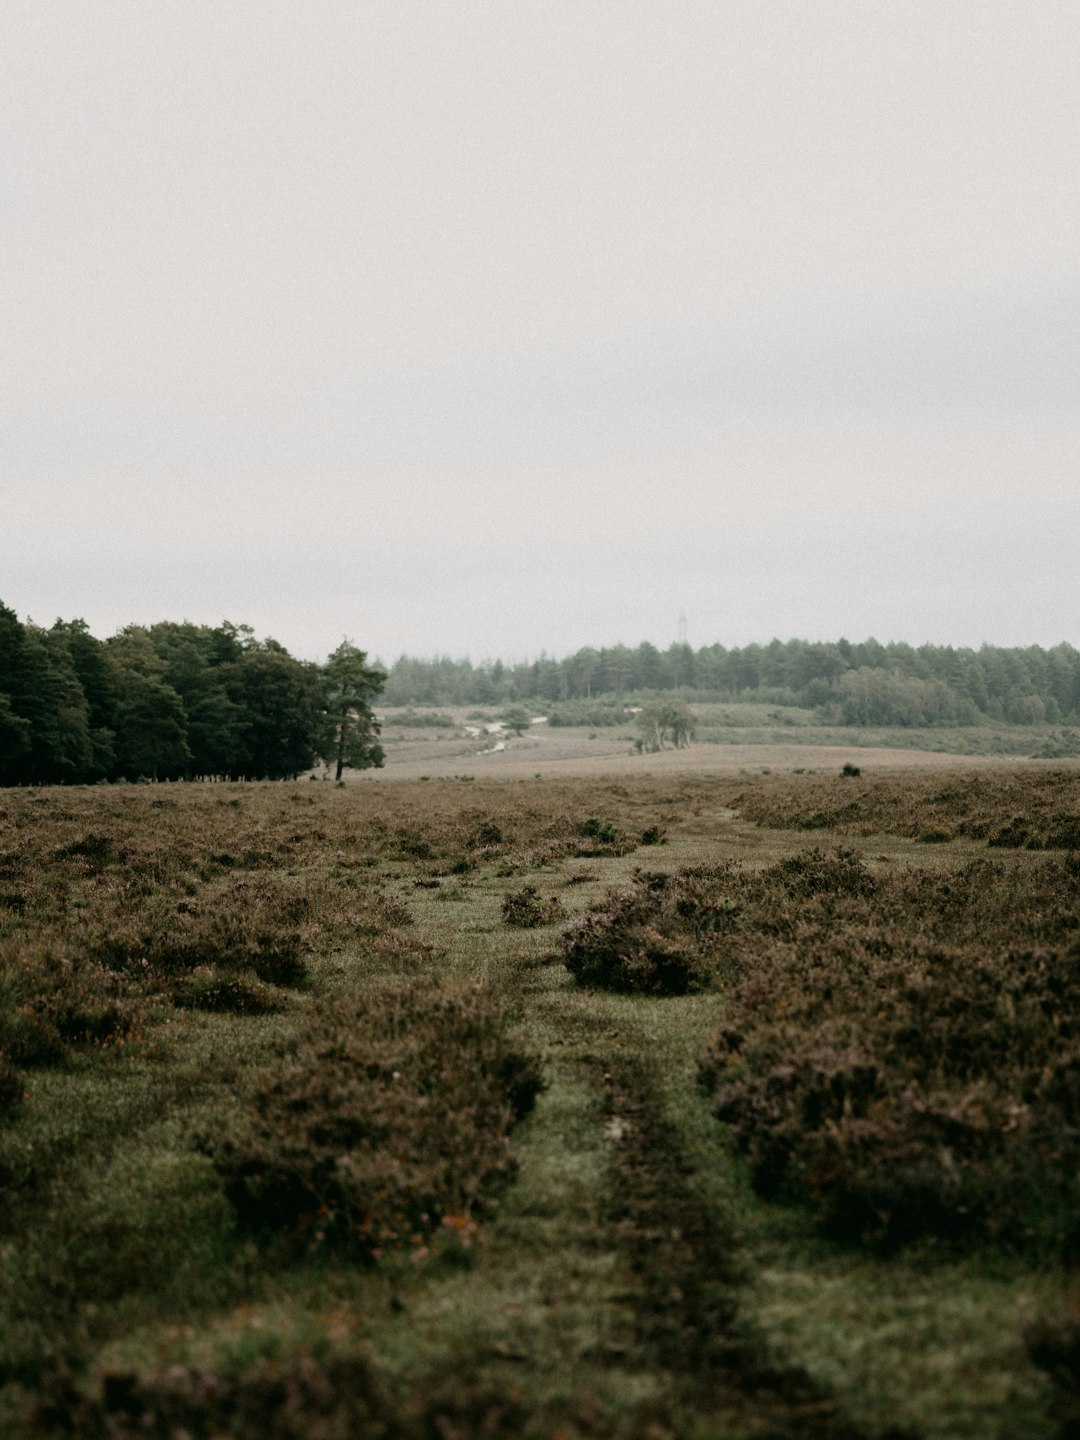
686	1257
670	1247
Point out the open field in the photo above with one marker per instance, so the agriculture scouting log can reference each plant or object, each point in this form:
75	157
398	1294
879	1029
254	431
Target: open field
732	739
679	1100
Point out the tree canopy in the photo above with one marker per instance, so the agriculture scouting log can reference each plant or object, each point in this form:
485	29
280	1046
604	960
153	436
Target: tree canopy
350	734
175	701
846	683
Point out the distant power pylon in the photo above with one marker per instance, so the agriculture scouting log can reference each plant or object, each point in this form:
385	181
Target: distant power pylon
682	627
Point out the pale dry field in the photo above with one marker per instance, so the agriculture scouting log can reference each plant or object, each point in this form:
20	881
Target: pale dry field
551	753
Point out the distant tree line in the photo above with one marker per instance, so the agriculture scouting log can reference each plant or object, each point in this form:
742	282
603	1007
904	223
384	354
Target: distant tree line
176	701
843	682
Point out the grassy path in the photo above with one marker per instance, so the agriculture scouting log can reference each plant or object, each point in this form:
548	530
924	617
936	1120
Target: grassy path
633	1284
609	1291
628	1284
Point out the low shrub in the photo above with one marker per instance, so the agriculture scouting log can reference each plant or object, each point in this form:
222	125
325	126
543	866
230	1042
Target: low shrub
1034	810
903	1054
320	1392
655	940
51	999
527	909
487	835
296	1397
252	925
421	719
602	830
388	1115
588	712
206	988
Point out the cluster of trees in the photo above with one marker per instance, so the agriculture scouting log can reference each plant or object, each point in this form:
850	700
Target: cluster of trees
846	683
183	701
664	721
176	701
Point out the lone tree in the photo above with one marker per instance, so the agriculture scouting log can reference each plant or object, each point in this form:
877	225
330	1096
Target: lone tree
351	732
517	719
662	720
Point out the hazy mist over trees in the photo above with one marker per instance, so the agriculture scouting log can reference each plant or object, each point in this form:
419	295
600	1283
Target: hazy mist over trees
846	683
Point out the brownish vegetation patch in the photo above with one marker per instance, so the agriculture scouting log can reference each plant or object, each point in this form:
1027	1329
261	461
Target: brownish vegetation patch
900	1052
1033	809
384	1125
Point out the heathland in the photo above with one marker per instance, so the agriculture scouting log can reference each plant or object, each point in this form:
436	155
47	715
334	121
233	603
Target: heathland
553	1091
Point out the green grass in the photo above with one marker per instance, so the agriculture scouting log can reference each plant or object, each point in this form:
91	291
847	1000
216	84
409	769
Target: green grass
624	1281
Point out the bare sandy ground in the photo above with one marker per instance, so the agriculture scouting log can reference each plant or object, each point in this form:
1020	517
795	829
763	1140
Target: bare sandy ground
549	753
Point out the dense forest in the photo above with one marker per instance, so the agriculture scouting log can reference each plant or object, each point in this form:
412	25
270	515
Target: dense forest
176	701
845	683
182	701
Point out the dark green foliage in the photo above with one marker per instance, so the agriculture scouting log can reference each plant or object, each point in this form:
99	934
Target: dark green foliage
517	719
597	714
283	711
660	722
173	701
860	684
350	731
602	837
44	721
420	720
385	1120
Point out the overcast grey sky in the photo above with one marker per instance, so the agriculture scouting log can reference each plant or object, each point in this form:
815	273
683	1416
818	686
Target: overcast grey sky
483	328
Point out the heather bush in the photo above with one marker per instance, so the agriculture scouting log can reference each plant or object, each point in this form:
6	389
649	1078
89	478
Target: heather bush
900	1052
297	1397
252	928
527	909
1035	809
662	938
51	999
903	1054
311	1392
206	988
390	1114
